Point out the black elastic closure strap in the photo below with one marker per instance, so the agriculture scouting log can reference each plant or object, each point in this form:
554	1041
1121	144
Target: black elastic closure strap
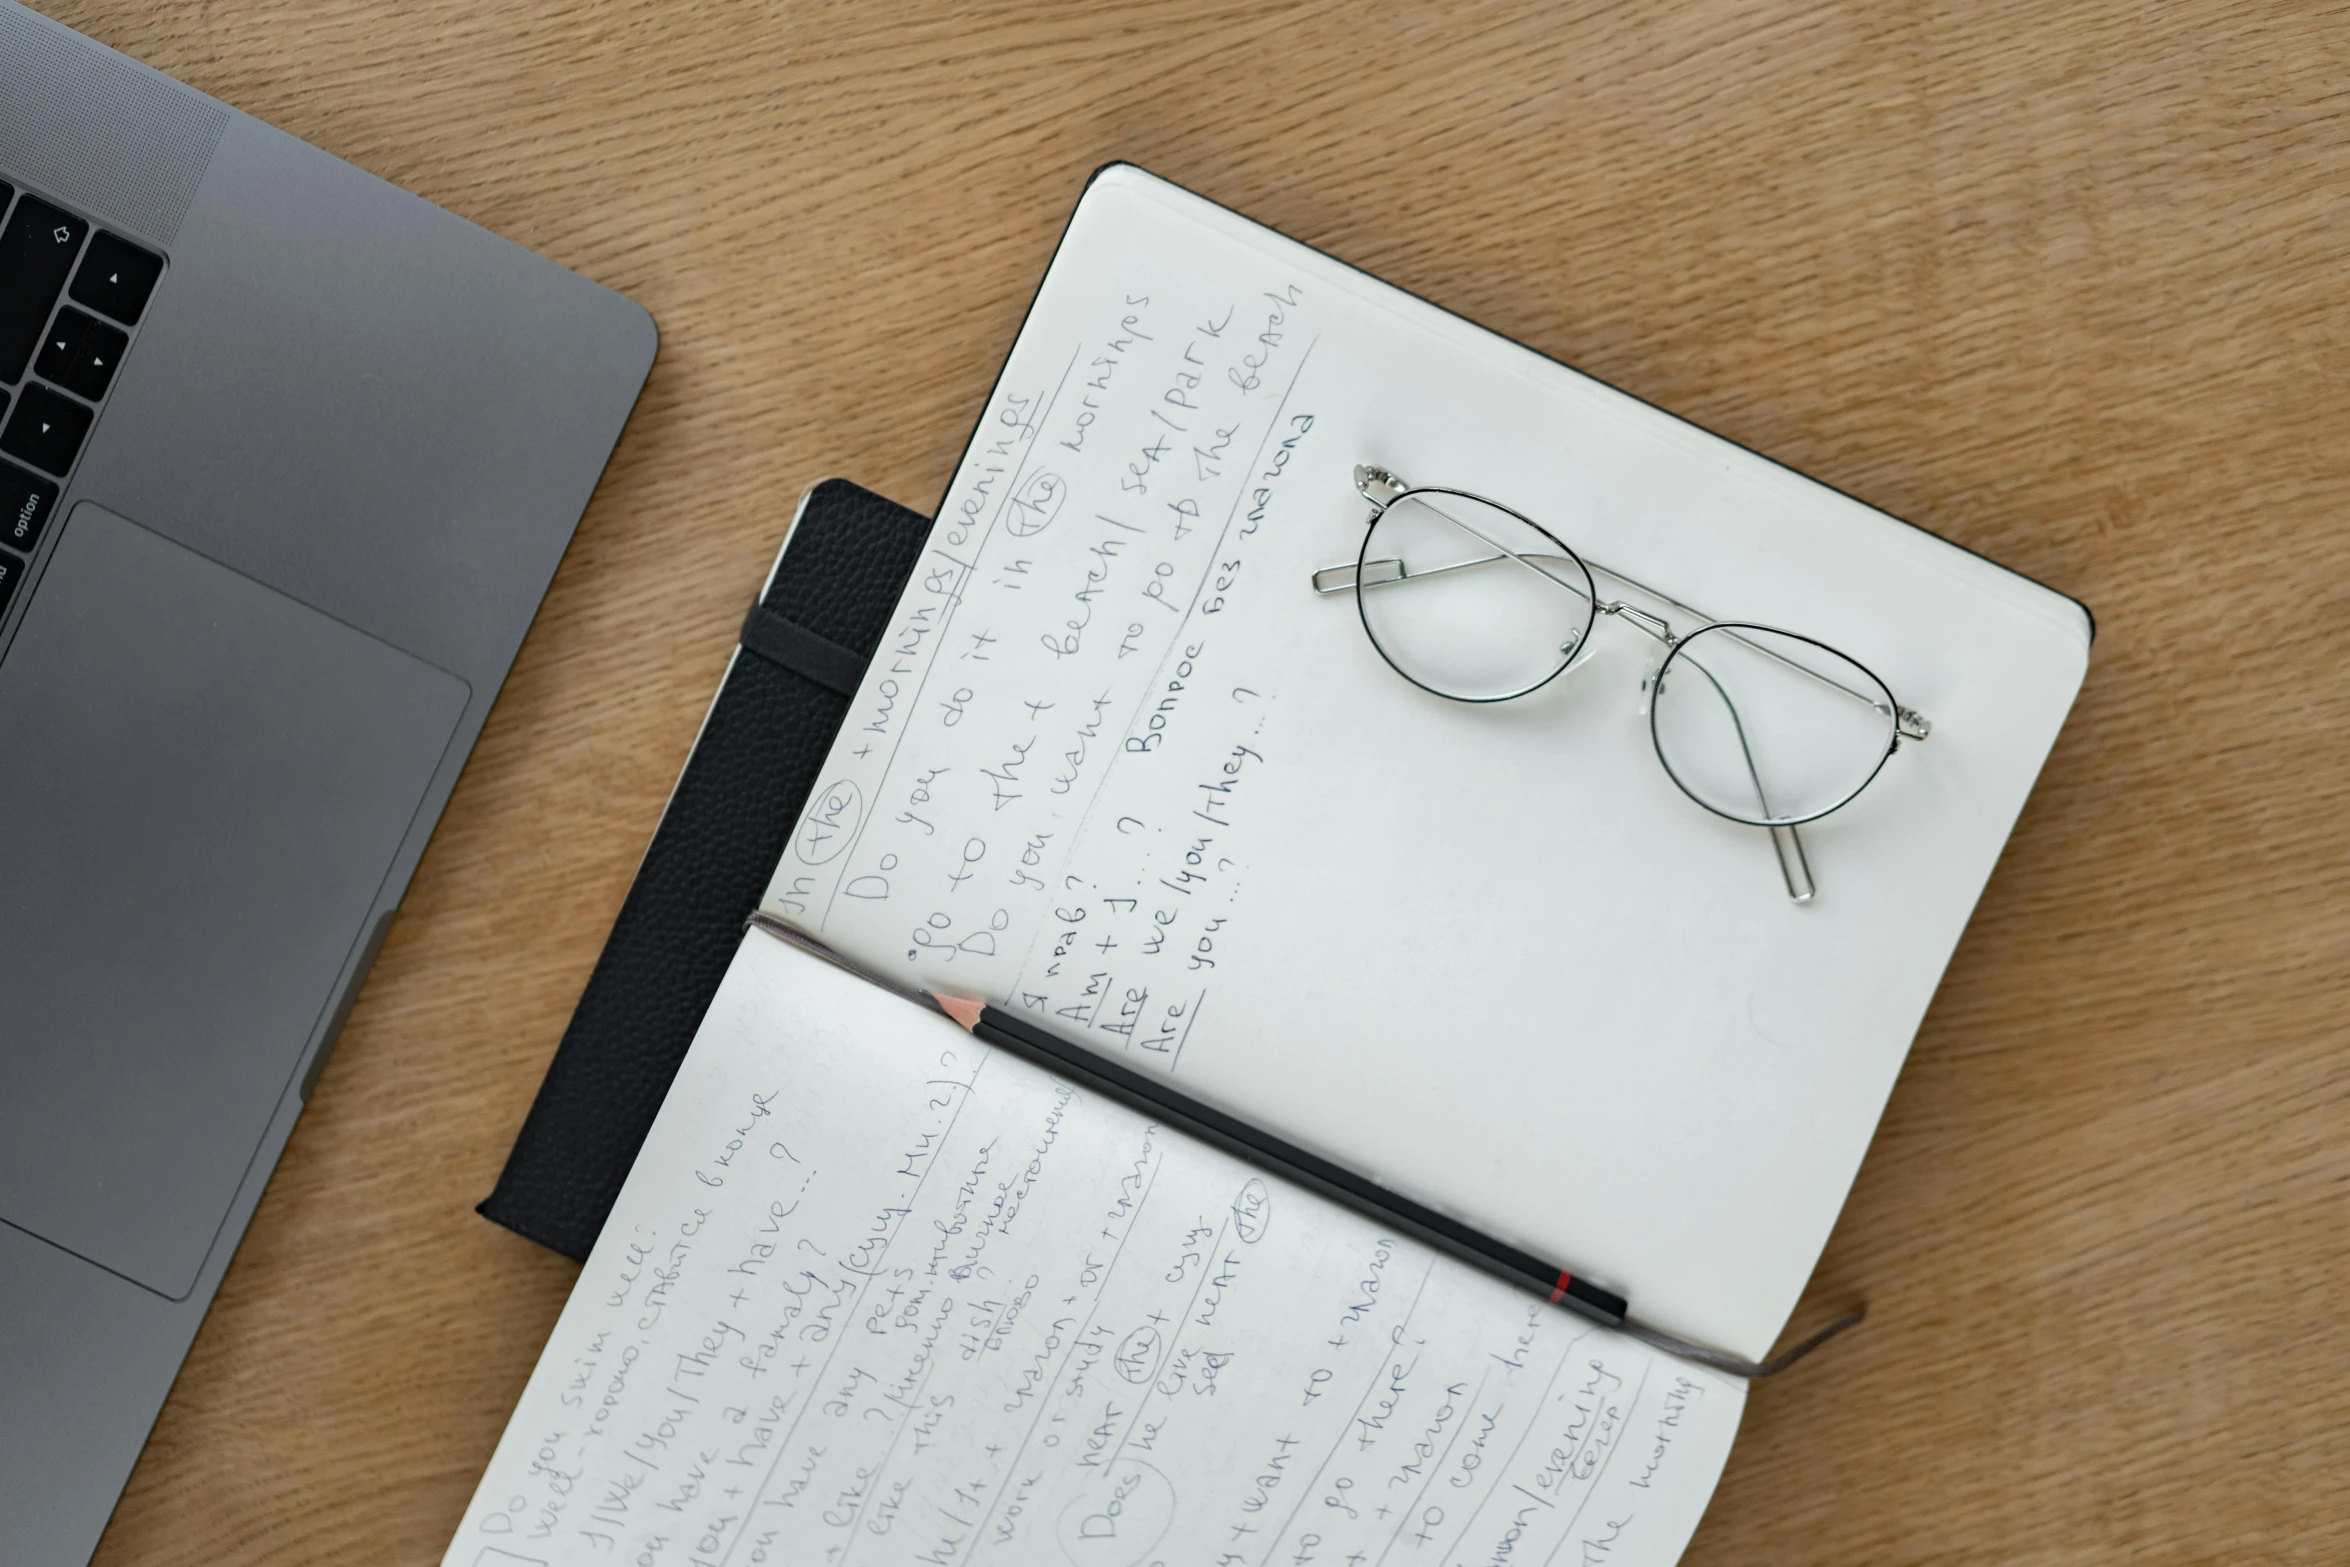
784	642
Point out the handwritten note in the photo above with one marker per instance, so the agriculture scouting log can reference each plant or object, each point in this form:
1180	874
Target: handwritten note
1072	623
875	1293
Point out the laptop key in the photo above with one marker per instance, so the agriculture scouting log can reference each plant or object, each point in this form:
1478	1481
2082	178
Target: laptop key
80	353
26	500
36	253
46	430
116	278
11	569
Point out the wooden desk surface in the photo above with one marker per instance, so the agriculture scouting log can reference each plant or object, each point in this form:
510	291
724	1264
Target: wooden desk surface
2063	282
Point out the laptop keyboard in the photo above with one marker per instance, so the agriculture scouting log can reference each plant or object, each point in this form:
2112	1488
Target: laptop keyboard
70	296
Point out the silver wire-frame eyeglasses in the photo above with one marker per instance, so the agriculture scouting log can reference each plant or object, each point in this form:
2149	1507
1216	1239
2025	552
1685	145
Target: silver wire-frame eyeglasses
1472	601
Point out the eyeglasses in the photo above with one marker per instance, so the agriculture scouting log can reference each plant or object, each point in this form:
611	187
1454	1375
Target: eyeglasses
1470	600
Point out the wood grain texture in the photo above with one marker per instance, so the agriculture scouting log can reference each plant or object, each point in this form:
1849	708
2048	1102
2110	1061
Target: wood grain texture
2064	283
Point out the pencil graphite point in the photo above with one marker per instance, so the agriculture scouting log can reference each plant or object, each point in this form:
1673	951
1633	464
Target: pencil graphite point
962	1009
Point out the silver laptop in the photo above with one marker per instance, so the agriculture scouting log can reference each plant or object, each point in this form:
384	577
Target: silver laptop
287	459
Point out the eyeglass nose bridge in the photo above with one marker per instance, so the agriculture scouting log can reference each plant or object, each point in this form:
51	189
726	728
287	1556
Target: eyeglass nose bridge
1655	625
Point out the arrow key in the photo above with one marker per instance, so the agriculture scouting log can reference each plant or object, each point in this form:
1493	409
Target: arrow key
80	353
116	277
46	430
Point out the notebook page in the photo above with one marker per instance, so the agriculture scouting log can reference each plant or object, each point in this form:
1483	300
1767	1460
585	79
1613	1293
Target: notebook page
875	1293
1118	768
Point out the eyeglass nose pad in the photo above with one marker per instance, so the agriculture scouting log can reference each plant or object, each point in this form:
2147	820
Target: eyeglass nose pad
1651	682
1578	648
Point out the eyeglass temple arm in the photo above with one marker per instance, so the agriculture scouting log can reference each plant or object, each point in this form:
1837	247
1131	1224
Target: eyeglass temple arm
1786	842
1502	550
1341	579
1794	865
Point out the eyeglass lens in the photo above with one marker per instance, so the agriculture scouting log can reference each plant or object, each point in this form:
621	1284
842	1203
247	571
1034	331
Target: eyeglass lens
1470	600
1768	727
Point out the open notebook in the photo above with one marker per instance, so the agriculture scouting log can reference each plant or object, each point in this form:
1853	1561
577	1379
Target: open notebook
1118	769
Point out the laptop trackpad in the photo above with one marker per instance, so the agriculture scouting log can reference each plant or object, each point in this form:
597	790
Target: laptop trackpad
202	785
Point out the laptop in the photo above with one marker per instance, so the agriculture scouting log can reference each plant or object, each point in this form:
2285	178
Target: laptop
288	457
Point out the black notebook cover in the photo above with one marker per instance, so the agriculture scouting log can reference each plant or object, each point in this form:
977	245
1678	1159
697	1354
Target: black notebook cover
805	644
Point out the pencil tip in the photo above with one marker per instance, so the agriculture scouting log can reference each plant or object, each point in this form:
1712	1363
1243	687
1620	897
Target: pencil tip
962	1009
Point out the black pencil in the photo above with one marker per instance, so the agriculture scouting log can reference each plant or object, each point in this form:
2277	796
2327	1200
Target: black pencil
1155	1097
